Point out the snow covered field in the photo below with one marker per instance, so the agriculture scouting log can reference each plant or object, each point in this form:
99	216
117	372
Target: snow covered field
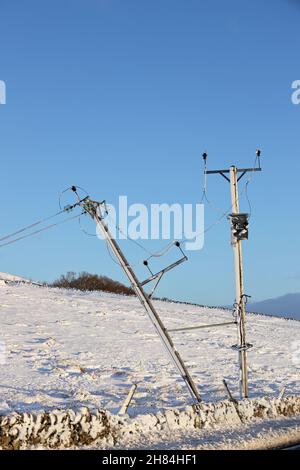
65	349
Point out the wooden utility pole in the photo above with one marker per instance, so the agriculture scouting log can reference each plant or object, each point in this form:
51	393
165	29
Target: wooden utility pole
239	289
239	232
94	209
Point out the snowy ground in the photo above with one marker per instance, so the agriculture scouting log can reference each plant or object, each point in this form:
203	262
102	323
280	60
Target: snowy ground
65	349
262	435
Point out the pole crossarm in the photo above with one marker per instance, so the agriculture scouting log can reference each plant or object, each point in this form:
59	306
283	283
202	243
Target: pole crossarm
223	173
163	271
238	170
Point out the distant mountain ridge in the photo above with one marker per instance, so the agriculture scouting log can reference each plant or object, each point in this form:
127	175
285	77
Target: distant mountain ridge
287	306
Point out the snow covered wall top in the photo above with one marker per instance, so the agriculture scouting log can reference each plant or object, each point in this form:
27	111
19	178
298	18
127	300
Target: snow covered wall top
63	429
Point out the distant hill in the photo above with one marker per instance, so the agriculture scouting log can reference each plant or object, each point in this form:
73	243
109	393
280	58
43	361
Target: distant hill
286	306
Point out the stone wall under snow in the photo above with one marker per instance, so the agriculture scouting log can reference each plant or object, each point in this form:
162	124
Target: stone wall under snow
65	429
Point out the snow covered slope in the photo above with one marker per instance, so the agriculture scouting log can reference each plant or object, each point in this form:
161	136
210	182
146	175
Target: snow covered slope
11	278
66	349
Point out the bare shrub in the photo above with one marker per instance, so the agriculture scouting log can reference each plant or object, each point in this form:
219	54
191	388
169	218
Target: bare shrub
91	282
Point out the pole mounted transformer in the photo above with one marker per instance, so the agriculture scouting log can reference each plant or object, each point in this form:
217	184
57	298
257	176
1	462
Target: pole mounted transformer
239	232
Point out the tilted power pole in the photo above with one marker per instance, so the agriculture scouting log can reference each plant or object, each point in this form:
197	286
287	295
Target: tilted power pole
94	209
239	232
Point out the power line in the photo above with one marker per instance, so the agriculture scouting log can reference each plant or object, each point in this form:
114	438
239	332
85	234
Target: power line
31	226
168	246
66	209
248	199
48	227
244	190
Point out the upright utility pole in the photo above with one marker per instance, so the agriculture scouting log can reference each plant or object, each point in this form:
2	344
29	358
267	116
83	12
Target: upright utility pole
93	208
239	232
240	313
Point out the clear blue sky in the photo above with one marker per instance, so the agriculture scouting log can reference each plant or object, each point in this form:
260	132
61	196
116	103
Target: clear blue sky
122	97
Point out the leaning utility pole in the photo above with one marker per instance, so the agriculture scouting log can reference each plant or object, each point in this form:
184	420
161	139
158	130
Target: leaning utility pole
94	209
239	232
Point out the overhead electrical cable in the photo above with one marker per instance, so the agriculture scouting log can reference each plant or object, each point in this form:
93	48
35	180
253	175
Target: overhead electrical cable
36	232
28	227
